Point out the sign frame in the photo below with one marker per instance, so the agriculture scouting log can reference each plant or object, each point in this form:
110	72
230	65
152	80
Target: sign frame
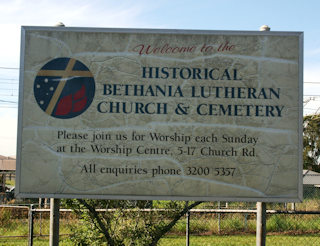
25	29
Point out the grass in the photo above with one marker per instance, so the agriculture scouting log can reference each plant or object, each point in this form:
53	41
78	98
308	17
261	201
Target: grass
209	224
282	229
18	227
241	240
11	181
209	240
36	242
236	240
297	224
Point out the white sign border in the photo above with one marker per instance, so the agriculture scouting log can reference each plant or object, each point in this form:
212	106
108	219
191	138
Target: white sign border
159	31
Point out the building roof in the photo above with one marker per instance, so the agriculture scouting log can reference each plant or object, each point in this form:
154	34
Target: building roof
311	177
7	163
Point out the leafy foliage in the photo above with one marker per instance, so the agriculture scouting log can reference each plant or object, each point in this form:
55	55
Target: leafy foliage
311	142
125	222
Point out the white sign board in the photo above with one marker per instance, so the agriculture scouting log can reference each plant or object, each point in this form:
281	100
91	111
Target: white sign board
160	114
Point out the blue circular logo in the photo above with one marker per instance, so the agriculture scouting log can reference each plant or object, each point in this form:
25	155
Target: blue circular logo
64	88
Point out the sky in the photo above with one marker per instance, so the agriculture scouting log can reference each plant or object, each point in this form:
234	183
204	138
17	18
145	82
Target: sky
246	15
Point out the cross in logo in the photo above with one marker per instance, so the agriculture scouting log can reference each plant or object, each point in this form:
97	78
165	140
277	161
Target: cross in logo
65	75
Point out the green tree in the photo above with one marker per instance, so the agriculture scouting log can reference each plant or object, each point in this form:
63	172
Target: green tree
311	142
125	222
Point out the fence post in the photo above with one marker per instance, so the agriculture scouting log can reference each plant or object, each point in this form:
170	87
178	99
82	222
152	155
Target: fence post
3	187
54	221
245	221
188	229
261	224
219	218
31	220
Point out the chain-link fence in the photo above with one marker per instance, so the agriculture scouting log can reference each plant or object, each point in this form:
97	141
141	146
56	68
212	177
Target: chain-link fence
214	224
211	223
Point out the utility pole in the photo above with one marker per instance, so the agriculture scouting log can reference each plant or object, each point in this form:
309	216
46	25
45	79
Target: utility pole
261	231
55	207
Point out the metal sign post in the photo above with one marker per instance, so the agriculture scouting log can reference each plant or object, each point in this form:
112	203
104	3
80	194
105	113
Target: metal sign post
31	224
261	224
54	222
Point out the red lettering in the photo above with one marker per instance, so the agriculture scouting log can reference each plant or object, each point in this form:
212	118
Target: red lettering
148	50
175	50
155	50
202	48
193	48
165	49
226	47
139	50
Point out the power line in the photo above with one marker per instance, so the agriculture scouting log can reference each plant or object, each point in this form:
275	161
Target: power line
15	68
9	106
6	101
9	89
9	79
9	95
8	83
